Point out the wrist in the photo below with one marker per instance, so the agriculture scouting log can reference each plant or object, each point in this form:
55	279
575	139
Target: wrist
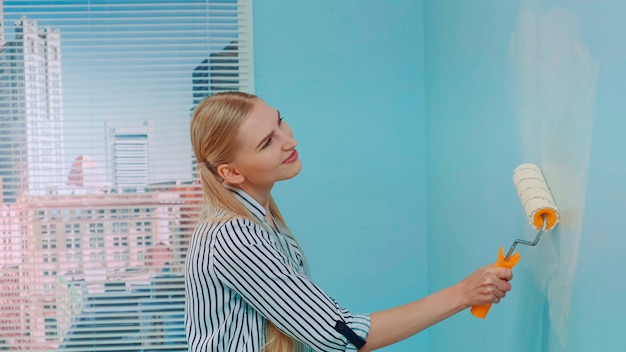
458	296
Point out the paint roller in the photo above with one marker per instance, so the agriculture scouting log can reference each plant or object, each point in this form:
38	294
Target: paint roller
542	212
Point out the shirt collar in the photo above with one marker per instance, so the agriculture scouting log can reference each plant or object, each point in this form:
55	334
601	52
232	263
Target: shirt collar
250	203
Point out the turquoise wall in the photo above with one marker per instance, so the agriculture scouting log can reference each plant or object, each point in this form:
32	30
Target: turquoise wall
411	118
528	81
348	76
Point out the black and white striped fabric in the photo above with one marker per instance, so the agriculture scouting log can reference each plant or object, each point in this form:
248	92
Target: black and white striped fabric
240	274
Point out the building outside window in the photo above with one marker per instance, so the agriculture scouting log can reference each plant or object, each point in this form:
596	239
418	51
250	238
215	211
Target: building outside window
98	193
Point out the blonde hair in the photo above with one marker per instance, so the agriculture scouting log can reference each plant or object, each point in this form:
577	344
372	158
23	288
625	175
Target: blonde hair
215	124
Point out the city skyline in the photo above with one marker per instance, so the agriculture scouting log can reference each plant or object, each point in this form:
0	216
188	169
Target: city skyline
143	75
95	108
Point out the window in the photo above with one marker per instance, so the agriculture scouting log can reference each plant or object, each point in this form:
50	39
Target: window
97	181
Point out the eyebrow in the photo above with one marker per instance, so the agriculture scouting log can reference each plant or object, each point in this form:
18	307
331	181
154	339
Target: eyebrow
269	135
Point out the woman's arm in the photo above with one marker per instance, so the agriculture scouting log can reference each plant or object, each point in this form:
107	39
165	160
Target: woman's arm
486	285
246	261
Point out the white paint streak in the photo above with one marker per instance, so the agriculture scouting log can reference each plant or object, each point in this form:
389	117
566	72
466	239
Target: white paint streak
556	80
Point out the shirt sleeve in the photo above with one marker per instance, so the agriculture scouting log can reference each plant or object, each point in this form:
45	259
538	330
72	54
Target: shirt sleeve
247	260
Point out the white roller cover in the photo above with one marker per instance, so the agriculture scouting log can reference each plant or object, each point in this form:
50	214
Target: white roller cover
535	196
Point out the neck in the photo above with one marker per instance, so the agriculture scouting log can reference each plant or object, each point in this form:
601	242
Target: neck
260	194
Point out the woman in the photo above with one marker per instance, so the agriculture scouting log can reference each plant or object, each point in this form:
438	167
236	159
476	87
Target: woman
247	285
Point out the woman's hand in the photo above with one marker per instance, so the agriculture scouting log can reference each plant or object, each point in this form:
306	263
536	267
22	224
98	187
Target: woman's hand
486	285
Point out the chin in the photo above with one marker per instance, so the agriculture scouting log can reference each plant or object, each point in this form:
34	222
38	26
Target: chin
295	171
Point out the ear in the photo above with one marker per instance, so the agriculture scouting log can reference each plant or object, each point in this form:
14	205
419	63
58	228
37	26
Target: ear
229	174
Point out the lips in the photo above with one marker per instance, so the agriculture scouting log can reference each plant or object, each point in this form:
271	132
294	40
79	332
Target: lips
293	157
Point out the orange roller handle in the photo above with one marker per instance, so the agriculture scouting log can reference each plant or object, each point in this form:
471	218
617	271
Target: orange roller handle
482	310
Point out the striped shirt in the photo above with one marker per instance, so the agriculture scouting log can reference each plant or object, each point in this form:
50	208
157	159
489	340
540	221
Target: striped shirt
240	274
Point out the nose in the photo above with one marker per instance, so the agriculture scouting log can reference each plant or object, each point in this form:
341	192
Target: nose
289	142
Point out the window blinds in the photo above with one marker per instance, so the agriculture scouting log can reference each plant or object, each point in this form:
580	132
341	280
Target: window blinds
98	184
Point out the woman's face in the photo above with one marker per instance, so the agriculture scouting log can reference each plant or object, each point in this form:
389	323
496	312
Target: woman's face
267	149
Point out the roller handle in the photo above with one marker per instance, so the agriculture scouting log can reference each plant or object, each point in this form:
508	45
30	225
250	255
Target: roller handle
482	310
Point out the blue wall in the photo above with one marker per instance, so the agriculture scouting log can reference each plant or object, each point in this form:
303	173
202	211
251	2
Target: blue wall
411	118
348	77
528	81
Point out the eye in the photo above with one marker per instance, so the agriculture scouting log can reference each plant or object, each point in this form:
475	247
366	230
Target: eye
267	143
